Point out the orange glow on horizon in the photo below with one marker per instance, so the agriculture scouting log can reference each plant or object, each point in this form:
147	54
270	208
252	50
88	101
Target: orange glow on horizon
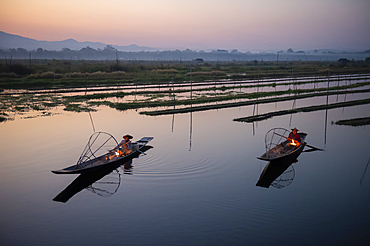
234	23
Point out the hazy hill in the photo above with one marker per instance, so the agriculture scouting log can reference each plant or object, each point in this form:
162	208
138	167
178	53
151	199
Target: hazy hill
18	47
8	41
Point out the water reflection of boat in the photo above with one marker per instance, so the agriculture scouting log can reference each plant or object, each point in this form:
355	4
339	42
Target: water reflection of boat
279	147
278	173
104	181
83	181
90	158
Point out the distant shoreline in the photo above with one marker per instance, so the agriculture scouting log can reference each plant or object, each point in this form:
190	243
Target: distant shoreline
41	74
109	53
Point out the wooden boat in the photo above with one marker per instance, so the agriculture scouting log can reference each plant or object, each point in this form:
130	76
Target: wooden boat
90	161
279	147
277	167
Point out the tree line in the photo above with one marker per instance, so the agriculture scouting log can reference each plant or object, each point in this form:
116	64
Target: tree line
110	53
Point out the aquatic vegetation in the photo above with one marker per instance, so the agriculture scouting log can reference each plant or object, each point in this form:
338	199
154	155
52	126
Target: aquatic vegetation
151	92
19	108
259	98
261	117
223	90
25	102
37	107
354	122
3	116
78	108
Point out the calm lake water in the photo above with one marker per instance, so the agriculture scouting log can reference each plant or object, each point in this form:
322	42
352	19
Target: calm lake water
196	186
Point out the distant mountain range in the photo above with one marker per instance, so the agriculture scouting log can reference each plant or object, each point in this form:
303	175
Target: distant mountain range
9	41
18	47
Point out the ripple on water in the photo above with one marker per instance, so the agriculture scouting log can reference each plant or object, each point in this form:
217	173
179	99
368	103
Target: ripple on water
154	167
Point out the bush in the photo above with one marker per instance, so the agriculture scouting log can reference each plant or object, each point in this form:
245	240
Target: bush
118	74
212	73
8	75
19	69
117	67
98	74
46	75
76	75
165	71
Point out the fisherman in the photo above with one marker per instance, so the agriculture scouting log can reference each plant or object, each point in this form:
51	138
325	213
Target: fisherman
294	135
126	144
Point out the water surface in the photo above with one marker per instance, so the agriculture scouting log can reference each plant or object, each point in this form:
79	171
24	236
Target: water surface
197	186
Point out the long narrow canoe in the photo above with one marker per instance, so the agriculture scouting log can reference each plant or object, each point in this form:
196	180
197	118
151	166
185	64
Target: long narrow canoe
284	150
108	159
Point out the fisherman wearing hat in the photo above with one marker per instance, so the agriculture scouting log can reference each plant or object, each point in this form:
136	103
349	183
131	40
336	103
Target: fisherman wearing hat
294	135
126	144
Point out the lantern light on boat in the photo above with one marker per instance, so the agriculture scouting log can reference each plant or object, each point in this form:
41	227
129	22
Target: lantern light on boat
293	143
117	153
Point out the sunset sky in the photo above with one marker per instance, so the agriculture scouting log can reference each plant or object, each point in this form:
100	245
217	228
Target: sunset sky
195	24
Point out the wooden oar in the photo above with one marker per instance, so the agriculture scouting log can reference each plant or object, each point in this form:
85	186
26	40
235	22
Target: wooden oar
313	147
119	145
310	150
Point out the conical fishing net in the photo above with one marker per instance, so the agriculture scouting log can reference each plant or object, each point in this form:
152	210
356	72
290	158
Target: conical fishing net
99	144
285	179
106	186
274	137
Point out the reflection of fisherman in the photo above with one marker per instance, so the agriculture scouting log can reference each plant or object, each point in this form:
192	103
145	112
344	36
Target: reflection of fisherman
126	144
294	135
127	167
